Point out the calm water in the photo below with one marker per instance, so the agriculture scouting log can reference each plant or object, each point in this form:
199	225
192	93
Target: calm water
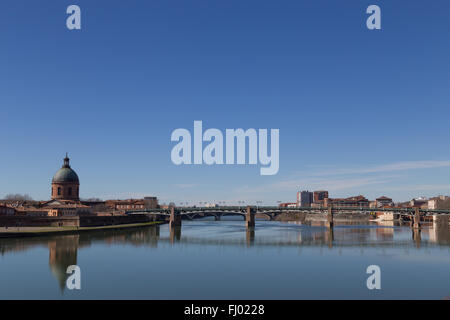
221	260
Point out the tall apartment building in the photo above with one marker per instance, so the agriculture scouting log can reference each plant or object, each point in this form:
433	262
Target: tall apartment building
304	198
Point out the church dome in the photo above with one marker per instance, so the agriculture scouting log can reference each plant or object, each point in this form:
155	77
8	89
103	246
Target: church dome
65	174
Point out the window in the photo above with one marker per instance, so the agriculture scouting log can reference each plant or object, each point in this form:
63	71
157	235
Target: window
70	191
59	191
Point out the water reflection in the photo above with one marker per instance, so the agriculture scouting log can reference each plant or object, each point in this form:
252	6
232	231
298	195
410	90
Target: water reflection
175	234
250	236
63	250
416	236
63	253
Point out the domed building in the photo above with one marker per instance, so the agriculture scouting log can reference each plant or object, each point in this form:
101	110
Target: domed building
65	183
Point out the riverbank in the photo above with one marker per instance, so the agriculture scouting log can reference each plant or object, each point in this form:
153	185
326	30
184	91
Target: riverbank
13	232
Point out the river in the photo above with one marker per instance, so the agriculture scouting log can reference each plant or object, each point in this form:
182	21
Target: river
208	259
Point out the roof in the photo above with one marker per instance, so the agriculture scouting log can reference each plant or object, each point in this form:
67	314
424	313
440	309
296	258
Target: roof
66	173
58	202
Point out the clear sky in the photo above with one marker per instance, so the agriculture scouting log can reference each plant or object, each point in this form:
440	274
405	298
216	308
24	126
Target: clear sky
359	111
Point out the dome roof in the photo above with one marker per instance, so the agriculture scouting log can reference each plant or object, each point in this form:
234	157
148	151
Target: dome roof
66	174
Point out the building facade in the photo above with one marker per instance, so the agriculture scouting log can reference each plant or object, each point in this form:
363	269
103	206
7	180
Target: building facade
288	205
384	201
132	204
7	211
357	201
320	195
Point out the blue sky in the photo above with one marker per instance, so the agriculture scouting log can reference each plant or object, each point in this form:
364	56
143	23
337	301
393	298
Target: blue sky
359	111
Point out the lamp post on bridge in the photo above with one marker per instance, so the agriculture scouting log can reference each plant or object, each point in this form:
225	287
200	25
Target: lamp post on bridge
258	202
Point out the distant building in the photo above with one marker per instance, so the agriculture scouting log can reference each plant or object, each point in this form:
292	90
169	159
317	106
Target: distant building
32	211
419	203
288	205
357	201
65	210
55	208
304	198
439	202
125	204
132	204
319	196
433	204
384	201
151	202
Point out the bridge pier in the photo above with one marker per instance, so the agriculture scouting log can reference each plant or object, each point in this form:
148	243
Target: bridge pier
330	221
175	218
250	217
217	218
416	219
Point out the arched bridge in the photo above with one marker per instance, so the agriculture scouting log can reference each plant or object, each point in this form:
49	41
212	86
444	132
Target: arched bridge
271	212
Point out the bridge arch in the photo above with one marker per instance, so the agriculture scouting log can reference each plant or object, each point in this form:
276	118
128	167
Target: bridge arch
267	215
232	213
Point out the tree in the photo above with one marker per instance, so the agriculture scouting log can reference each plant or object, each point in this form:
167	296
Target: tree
18	197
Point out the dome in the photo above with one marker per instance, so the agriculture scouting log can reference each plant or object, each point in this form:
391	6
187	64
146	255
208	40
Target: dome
65	174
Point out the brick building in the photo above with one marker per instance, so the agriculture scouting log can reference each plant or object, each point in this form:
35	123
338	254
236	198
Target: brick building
357	201
65	183
384	201
319	196
132	204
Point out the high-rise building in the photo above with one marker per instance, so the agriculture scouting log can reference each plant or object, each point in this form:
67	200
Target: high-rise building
304	198
151	202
